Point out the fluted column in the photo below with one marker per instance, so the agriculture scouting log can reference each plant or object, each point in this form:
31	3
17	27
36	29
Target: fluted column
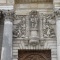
7	37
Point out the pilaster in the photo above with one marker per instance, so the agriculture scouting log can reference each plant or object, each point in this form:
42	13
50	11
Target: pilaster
7	36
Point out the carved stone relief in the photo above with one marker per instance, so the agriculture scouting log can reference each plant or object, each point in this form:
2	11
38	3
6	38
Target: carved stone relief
34	19
20	27
49	26
34	27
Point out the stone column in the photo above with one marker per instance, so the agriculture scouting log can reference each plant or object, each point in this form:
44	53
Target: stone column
7	37
57	12
58	32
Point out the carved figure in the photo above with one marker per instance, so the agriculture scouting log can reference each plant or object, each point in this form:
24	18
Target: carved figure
20	29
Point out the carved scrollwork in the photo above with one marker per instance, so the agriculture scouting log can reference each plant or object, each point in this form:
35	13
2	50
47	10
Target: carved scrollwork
20	28
49	26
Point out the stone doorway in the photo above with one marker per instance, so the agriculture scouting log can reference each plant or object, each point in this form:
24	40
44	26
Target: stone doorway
34	54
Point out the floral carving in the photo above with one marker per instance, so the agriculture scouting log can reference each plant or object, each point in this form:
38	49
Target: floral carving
8	14
20	28
48	26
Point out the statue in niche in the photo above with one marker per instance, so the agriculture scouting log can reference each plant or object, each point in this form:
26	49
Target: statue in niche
33	23
34	20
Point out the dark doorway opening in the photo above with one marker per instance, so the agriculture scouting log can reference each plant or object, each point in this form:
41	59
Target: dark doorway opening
34	54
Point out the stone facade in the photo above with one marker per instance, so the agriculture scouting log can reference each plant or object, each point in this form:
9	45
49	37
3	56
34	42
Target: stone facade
47	41
30	27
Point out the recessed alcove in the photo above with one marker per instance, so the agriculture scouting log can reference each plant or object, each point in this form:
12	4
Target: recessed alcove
34	54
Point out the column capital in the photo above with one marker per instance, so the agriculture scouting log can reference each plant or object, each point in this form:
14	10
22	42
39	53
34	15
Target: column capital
8	14
57	12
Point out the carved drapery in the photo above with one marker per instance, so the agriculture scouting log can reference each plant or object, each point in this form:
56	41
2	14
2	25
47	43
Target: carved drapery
49	26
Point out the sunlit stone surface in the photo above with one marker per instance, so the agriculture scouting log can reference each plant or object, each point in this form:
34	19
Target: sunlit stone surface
3	1
7	41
